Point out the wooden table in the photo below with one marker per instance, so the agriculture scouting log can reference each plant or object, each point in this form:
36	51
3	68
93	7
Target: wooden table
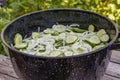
112	72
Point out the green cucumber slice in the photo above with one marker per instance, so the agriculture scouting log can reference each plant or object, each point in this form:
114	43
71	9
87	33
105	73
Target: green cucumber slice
71	39
36	35
42	54
56	53
58	43
94	39
104	38
21	46
78	30
55	33
98	46
42	49
101	32
63	34
91	28
76	53
59	28
17	39
68	53
49	31
79	50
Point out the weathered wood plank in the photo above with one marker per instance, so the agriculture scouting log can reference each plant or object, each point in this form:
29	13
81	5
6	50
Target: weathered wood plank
6	77
115	57
8	71
106	77
113	69
5	61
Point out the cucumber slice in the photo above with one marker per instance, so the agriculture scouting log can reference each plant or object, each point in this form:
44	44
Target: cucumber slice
78	30
68	53
98	46
71	39
62	35
76	53
42	54
89	43
56	53
49	31
21	46
36	35
59	28
94	39
55	33
51	40
42	49
17	39
79	50
104	38
101	32
58	43
91	28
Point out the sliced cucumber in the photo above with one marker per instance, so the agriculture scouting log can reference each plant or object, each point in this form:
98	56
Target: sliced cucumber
59	28
36	35
56	53
42	49
104	38
94	39
61	40
51	40
89	43
42	54
76	53
62	35
101	32
49	31
68	53
78	30
17	39
58	43
91	28
71	39
55	33
21	46
98	46
79	50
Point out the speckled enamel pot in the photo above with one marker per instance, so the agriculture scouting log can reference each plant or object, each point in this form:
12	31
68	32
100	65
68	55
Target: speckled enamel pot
88	66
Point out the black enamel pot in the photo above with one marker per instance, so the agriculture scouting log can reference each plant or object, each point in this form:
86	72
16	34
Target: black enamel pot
88	66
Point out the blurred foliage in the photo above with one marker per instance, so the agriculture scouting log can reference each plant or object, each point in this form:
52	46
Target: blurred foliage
15	8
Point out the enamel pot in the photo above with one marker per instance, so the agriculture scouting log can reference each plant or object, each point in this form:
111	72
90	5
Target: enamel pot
87	66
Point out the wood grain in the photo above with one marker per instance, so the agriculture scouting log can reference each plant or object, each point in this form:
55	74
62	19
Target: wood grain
113	69
107	77
115	57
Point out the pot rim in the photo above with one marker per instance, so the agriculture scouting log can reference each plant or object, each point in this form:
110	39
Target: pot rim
60	9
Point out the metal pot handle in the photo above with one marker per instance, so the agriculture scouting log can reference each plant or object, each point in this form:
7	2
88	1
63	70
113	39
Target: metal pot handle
115	45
